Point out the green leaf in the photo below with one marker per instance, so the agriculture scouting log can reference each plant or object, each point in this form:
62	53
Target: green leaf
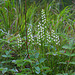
26	69
37	63
4	56
43	73
48	71
28	60
37	70
62	63
73	73
72	54
46	68
18	62
13	38
49	53
12	43
12	70
14	61
42	60
73	63
71	42
67	47
4	70
1	69
55	53
6	61
36	55
67	53
7	52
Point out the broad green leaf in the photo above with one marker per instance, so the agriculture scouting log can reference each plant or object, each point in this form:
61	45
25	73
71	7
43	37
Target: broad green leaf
37	63
28	60
73	63
7	52
13	70
4	70
17	61
6	56
6	61
72	55
37	70
46	68
42	60
36	55
67	47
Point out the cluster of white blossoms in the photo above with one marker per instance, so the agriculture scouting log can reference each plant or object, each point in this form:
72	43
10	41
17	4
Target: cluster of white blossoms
19	41
43	18
38	34
55	38
42	35
43	24
30	36
48	37
41	28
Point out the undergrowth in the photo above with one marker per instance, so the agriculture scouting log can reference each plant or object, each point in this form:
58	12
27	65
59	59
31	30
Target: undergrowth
50	39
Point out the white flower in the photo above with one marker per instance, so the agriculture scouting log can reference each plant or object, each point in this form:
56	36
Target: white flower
56	43
39	43
52	30
19	40
30	36
16	70
52	38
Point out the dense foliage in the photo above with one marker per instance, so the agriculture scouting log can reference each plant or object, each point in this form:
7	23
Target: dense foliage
50	38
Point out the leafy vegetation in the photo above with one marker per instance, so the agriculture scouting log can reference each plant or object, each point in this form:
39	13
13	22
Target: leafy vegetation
49	46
